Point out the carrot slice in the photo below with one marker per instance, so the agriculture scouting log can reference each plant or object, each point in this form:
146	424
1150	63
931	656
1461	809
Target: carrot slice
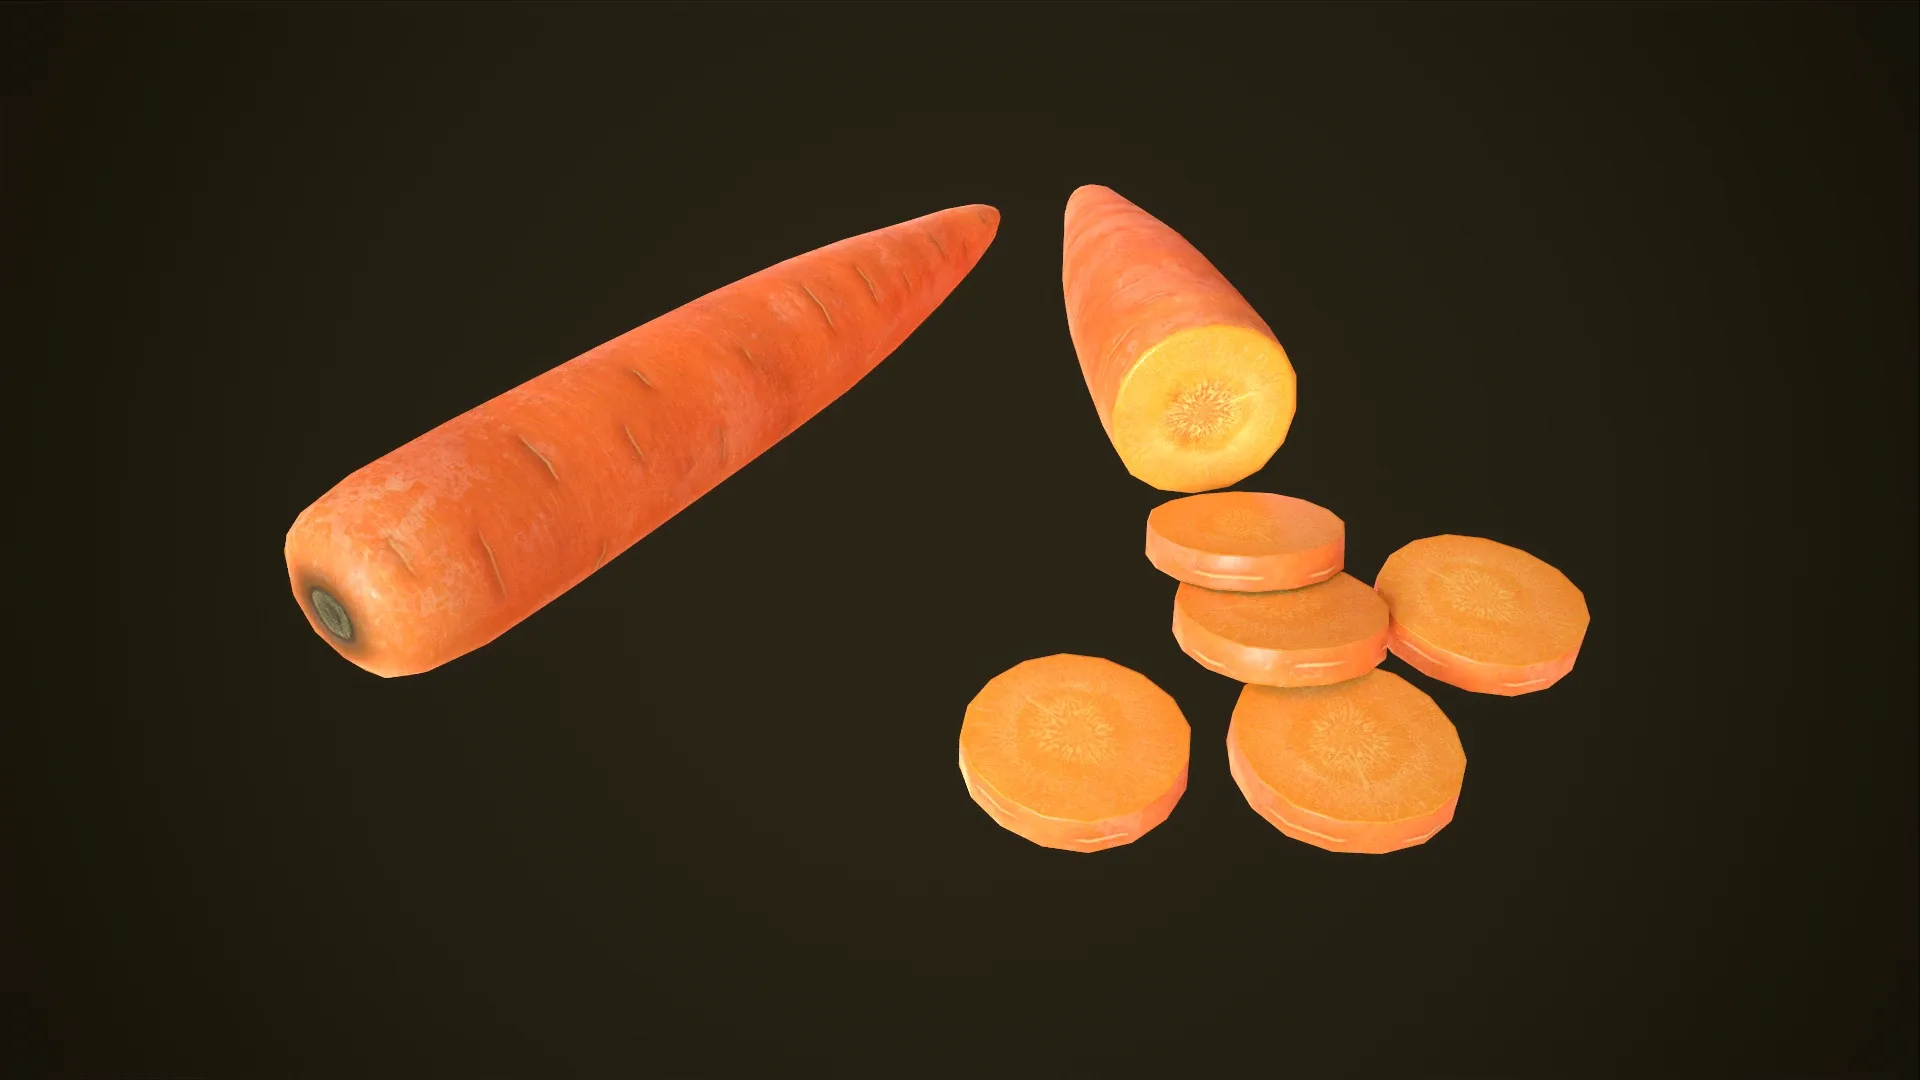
1321	634
446	543
1074	752
1482	616
1193	389
1246	541
1370	765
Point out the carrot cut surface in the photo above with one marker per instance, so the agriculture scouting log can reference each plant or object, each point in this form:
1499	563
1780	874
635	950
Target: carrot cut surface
1482	616
1192	387
1074	752
444	544
1246	541
1370	765
1320	634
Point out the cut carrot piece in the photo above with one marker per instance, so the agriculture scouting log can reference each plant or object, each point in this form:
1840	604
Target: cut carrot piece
1321	634
1370	766
1192	387
1482	616
1074	752
1246	541
446	543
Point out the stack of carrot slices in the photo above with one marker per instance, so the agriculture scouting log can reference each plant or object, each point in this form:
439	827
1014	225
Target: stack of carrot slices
1196	393
1329	749
1262	595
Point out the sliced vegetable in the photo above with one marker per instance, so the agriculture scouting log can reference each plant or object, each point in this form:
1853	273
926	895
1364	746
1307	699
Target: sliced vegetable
1320	634
1246	541
1074	752
1370	765
1482	616
1191	385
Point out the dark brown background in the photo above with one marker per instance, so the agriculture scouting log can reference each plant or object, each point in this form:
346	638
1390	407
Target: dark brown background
1631	287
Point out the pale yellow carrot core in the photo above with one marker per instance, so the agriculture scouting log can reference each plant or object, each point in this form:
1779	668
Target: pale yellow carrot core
1204	408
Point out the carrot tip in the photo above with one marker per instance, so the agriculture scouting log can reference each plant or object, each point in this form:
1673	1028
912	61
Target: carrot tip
333	615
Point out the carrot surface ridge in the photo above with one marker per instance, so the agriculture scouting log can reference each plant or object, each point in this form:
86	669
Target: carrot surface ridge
442	545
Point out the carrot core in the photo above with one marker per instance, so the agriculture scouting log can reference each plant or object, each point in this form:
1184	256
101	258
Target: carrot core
1204	408
332	615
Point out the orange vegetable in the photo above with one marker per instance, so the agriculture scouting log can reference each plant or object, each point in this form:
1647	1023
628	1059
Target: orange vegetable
1370	765
447	542
1074	752
1321	634
1192	387
1482	616
1246	541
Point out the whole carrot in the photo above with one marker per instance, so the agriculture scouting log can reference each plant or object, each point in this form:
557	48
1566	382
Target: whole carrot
449	541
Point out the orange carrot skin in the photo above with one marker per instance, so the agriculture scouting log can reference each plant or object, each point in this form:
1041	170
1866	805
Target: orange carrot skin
1277	667
1225	572
1130	283
1477	676
1359	838
1071	835
447	542
1273	666
1245	573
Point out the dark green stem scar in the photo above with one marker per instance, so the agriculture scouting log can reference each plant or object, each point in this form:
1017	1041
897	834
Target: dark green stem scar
332	615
